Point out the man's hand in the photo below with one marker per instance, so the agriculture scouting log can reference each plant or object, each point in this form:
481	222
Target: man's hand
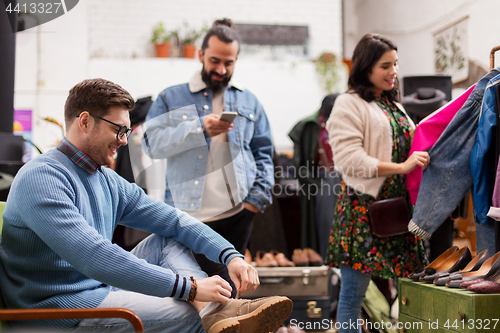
244	276
251	207
213	289
214	126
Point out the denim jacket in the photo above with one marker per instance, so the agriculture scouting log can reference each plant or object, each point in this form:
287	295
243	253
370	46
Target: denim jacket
448	176
174	130
479	160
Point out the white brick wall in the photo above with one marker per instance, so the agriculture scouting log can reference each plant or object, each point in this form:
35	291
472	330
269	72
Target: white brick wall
122	28
99	39
412	25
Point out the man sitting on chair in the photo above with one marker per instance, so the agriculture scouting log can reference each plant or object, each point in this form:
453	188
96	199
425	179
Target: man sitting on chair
56	249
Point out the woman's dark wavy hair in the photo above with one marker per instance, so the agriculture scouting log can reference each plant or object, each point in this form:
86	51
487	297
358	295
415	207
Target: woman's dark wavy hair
366	54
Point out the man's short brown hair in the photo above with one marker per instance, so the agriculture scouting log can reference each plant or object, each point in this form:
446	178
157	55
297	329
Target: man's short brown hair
95	96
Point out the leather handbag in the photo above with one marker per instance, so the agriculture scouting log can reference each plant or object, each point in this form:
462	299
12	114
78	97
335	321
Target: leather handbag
389	217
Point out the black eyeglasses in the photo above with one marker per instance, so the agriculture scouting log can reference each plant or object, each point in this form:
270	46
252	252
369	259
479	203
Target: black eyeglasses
120	132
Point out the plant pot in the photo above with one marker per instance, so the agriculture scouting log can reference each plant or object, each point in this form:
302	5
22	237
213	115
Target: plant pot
189	51
163	50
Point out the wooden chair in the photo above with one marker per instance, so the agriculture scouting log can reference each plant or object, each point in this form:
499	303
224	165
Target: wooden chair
7	315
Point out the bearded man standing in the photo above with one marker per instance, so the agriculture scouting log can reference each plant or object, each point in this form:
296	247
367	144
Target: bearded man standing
220	172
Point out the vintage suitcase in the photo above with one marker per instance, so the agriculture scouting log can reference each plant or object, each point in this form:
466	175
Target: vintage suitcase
311	313
292	281
308	287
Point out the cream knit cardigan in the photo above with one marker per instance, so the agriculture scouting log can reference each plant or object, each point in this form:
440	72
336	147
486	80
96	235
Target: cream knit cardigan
360	136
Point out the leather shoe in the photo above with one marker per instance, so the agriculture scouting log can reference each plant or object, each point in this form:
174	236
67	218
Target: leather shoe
263	259
314	258
491	266
467	284
261	315
472	266
438	261
490	285
455	262
485	287
281	259
248	257
300	258
484	270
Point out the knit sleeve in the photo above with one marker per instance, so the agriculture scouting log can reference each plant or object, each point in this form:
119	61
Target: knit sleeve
346	129
54	213
140	211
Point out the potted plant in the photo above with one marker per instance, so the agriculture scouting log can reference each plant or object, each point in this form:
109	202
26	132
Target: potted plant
329	69
191	35
161	40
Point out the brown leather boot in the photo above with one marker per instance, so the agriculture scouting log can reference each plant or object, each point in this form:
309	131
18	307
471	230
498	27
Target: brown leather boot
300	258
263	259
248	257
261	315
314	257
281	259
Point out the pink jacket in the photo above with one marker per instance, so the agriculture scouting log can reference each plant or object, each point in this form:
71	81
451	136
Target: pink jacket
427	133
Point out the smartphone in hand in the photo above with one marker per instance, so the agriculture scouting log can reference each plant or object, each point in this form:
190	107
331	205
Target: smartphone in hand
228	116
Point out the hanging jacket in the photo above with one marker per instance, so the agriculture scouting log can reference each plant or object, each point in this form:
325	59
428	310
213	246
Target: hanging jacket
479	160
448	177
427	133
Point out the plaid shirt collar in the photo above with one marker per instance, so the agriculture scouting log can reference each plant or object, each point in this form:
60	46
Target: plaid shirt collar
78	157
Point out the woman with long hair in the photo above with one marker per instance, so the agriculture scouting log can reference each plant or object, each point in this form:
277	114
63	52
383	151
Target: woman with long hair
370	135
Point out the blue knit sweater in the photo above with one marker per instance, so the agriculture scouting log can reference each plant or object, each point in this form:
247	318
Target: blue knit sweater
56	245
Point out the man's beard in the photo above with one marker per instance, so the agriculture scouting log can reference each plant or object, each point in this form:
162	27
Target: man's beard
216	87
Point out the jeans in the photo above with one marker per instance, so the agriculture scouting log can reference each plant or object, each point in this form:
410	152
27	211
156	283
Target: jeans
353	287
236	230
158	314
485	237
325	208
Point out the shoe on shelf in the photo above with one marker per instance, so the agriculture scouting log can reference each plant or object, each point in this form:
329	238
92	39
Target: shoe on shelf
472	266
490	267
314	258
438	261
300	258
265	259
281	259
455	262
485	287
261	315
457	278
490	284
248	257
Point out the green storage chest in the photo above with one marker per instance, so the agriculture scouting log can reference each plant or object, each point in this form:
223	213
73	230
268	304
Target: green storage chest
428	308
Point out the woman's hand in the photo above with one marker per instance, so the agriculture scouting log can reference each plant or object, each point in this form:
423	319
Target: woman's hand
418	158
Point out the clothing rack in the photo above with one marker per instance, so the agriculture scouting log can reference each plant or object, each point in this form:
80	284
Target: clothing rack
496	144
492	56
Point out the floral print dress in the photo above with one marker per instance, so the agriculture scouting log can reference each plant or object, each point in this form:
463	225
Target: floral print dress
351	240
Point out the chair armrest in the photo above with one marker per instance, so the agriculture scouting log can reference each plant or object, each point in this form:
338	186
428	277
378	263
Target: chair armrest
42	314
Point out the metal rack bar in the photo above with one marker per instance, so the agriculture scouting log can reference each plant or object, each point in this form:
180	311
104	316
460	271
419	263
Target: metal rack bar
492	56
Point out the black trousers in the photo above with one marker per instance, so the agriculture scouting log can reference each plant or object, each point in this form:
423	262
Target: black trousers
236	230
